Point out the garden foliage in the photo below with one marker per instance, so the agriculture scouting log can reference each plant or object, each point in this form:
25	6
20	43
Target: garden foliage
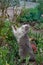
39	43
8	55
9	46
27	15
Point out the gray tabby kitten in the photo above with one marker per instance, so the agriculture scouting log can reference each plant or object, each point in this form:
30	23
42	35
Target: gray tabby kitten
23	40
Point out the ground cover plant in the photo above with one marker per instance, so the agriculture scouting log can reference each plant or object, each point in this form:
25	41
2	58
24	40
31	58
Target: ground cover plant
9	46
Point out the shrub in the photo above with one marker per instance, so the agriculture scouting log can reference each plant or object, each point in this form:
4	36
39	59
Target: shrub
41	19
7	35
41	5
29	15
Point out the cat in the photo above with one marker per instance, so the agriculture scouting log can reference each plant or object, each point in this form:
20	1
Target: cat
22	37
